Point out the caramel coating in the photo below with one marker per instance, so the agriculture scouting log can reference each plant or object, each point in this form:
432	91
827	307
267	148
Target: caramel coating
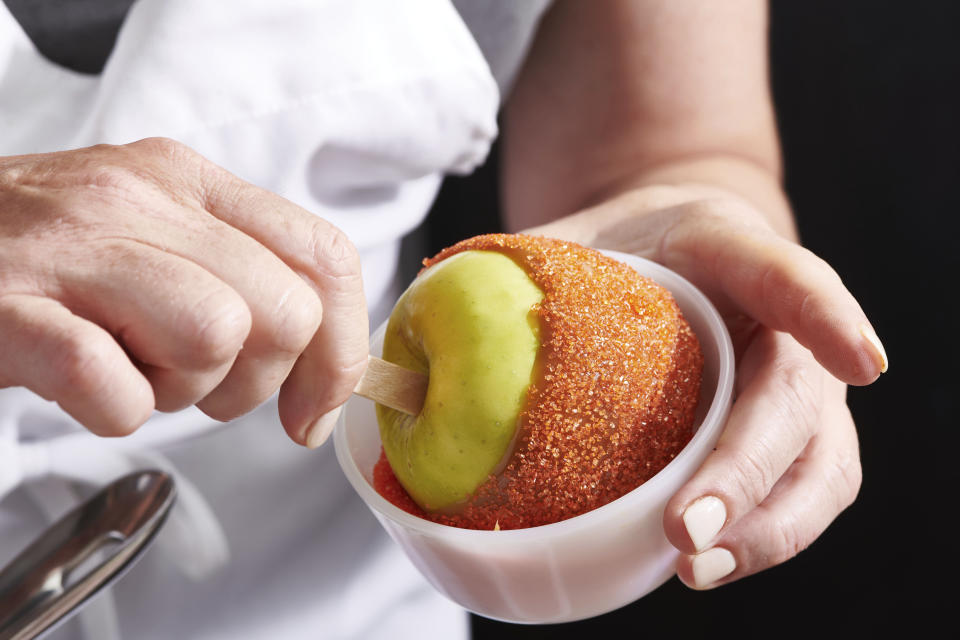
614	393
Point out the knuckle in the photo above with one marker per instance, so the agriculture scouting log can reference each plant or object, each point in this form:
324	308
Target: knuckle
719	212
297	319
798	393
798	283
82	365
352	370
753	474
168	164
220	327
164	147
788	540
847	475
12	173
113	177
689	219
340	383
706	209
710	217
781	288
334	253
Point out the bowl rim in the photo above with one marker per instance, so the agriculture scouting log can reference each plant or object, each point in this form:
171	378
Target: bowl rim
713	421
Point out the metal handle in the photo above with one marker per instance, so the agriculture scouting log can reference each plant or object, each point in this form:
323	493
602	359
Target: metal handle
81	553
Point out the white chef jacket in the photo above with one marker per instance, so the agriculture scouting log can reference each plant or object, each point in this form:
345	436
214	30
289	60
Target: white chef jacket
352	109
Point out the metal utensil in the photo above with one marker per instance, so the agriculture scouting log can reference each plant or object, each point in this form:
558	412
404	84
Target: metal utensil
83	552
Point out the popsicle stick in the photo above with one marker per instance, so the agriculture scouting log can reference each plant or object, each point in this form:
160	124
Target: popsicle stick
393	386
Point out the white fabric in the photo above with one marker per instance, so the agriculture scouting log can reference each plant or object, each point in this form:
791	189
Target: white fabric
352	109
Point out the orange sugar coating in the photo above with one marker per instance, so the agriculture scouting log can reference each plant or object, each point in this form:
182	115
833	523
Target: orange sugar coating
614	391
387	485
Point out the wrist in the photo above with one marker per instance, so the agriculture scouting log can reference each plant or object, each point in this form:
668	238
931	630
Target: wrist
667	185
725	175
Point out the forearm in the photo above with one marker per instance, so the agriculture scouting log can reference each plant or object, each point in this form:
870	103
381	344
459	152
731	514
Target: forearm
726	175
667	101
669	185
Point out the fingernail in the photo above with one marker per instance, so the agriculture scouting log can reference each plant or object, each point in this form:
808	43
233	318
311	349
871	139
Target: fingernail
874	341
704	519
712	565
321	429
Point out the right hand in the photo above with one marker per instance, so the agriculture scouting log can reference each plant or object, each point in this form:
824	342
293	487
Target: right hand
142	277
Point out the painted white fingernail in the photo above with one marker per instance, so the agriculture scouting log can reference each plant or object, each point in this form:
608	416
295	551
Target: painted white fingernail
712	565
321	429
704	519
874	341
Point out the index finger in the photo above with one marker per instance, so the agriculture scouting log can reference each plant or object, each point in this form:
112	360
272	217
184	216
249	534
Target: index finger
781	284
332	363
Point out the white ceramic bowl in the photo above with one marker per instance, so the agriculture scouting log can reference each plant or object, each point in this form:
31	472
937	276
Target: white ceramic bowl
569	570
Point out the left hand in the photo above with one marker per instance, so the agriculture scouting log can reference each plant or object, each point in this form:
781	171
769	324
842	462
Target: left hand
787	462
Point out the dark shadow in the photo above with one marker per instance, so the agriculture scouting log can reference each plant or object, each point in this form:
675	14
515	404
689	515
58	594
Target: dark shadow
76	34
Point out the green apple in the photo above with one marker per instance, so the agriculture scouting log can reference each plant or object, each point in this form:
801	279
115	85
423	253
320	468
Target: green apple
468	322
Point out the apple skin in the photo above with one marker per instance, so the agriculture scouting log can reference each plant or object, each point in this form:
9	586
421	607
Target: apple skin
469	323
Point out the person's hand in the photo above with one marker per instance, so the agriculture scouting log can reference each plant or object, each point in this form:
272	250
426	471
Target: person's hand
144	277
787	462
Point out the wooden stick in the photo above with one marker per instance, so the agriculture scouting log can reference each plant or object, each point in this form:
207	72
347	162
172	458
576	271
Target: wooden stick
393	386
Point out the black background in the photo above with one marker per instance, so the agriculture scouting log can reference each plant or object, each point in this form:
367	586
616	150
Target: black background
868	106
